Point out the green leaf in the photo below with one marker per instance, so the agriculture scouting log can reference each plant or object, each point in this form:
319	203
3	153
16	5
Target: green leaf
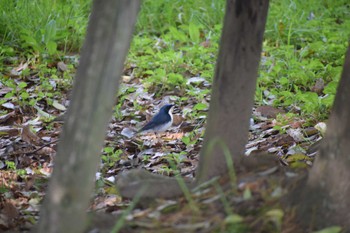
328	100
334	229
247	194
22	85
186	140
42	113
175	79
108	150
178	35
276	213
9	95
51	47
58	106
200	106
284	81
193	30
233	218
331	88
50	32
25	95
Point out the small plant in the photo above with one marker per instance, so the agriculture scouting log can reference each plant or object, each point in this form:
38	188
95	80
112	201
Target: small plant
284	120
111	156
43	41
176	158
10	165
190	139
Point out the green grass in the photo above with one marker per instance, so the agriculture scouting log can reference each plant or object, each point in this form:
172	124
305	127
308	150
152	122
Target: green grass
304	41
43	27
157	17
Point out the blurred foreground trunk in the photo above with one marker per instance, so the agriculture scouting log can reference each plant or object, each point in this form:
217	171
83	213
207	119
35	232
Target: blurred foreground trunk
322	199
71	185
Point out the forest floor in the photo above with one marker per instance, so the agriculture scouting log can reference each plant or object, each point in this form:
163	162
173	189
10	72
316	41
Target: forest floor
30	144
171	60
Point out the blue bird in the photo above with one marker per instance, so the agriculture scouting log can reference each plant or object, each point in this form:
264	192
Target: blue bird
161	121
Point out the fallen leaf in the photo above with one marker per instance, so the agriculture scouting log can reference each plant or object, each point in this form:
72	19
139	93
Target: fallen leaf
322	127
268	111
296	134
28	136
42	113
5	117
310	131
177	120
206	43
126	79
127	132
17	71
4	90
195	80
8	105
10	210
46	151
58	106
61	66
318	87
9	131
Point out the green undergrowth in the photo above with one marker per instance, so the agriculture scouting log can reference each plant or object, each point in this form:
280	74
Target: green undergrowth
49	28
175	40
304	42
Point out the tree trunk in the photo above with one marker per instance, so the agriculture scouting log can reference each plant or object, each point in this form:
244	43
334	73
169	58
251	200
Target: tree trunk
231	102
101	65
234	85
325	197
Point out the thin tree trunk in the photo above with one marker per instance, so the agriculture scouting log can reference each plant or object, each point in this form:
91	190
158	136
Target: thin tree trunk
234	86
108	38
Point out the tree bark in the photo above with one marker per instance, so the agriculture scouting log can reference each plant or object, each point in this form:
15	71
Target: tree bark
108	38
324	199
230	106
234	85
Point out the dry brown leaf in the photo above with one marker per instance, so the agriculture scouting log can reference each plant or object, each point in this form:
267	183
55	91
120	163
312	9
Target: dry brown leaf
61	66
177	120
319	86
9	131
6	116
28	136
9	210
268	111
4	90
46	151
206	44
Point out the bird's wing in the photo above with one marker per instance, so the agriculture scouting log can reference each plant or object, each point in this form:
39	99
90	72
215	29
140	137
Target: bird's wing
157	120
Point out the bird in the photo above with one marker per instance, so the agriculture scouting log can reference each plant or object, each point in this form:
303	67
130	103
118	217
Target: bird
161	121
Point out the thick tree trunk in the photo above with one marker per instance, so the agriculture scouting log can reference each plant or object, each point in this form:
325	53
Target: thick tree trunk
101	65
230	106
325	199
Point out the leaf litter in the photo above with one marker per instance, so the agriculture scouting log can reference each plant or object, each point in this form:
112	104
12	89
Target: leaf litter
29	138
